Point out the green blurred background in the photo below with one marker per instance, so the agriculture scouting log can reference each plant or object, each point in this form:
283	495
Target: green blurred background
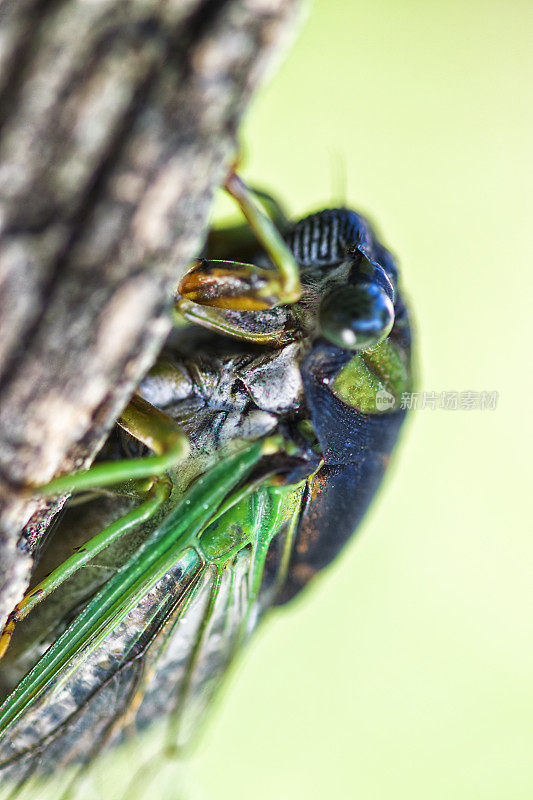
407	670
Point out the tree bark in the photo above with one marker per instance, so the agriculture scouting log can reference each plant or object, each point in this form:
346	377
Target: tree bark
118	120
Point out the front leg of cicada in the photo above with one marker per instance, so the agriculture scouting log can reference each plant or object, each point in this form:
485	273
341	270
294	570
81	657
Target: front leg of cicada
238	286
151	427
148	476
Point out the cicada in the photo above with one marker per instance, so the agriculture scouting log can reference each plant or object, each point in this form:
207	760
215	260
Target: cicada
237	472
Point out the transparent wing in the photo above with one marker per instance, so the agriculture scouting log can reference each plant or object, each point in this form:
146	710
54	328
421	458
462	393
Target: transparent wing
85	702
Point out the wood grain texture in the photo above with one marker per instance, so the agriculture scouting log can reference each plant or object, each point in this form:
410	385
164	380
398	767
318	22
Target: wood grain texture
118	120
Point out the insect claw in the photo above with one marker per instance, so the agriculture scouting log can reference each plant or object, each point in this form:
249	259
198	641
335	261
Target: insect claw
229	285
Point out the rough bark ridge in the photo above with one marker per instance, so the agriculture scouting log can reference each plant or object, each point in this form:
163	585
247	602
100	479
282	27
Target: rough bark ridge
117	121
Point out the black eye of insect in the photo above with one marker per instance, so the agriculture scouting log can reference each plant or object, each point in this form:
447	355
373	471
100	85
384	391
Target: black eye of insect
356	317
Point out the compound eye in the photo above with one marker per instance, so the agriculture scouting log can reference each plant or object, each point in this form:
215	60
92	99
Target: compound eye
356	317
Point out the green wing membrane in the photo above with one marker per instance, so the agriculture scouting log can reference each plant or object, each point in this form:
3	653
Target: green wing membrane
156	639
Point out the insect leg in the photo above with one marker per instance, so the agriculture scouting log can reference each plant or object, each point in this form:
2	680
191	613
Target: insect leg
173	539
165	438
287	286
147	424
237	286
272	208
235	242
156	495
216	319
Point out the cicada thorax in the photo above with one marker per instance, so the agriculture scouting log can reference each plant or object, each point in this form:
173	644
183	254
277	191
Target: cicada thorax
250	390
354	443
335	250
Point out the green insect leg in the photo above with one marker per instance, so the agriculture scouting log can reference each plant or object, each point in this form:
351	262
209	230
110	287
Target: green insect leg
238	286
236	242
287	287
174	537
157	431
156	496
147	424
